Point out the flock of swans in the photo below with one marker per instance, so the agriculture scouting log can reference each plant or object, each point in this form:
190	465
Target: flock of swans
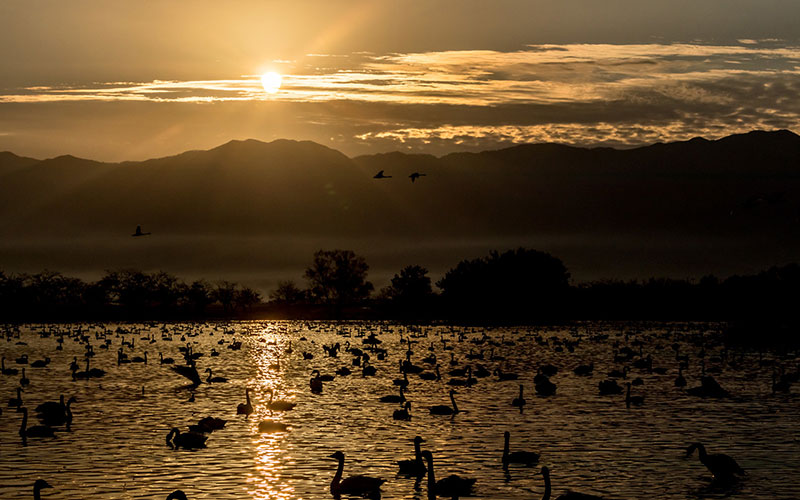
485	364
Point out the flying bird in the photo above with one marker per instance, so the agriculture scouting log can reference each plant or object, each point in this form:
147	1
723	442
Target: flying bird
380	175
139	232
415	176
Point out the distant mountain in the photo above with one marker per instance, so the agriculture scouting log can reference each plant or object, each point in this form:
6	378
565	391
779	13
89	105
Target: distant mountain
729	204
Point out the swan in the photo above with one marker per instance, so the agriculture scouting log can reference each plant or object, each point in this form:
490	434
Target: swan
7	371
245	408
394	398
501	376
188	371
431	376
316	382
187	440
518	457
584	370
24	380
165	361
545	387
139	359
279	405
41	363
271	426
207	425
519	401
570	495
35	431
415	467
215	380
607	387
680	381
451	486
53	414
444	409
721	466
16	402
353	485
404	414
177	495
38	486
632	400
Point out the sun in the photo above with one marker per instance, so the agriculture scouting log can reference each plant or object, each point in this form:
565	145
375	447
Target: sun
271	82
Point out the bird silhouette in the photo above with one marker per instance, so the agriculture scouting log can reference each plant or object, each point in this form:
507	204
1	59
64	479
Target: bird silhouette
415	176
353	485
380	175
721	466
139	232
38	486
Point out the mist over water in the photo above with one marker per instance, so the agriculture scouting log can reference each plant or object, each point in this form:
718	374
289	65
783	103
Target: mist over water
591	443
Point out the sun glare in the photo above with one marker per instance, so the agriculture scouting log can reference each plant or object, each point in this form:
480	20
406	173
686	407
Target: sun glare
271	82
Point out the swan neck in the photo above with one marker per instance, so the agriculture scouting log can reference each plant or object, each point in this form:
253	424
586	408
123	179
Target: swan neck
453	400
547	487
431	479
338	476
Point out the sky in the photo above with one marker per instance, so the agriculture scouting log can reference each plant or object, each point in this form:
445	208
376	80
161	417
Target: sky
120	80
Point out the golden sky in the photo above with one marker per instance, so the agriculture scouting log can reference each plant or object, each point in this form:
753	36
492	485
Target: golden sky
131	80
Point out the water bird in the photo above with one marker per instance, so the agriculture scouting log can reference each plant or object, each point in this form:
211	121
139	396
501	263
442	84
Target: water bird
139	232
186	440
444	409
207	425
394	398
570	495
177	495
517	457
279	405
721	466
452	486
7	371
416	466
545	388
38	486
54	413
404	414
16	402
215	380
415	176
632	400
680	381
165	361
519	401
353	485
315	382
608	387
245	408
41	363
23	381
188	371
380	175
35	431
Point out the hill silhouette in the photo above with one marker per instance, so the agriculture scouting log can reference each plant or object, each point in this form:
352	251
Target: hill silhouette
723	206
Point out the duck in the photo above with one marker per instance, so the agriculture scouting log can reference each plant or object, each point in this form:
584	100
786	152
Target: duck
245	408
279	405
214	380
518	457
721	466
404	414
444	409
187	440
570	495
353	485
416	466
452	486
38	486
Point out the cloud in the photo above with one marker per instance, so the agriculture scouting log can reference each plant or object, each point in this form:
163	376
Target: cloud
577	93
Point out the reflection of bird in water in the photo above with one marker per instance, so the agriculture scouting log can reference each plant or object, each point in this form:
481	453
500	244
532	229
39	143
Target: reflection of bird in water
570	495
38	486
353	485
452	486
139	232
271	426
721	466
415	176
380	175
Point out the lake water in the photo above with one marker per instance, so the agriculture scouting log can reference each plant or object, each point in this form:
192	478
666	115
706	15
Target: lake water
591	443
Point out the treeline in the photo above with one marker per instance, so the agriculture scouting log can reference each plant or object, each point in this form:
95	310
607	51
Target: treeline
520	285
127	294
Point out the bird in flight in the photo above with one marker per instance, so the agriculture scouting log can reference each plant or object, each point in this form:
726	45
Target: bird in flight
139	232
380	175
415	176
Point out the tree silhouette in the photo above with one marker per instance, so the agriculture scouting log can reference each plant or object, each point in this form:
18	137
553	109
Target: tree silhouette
517	282
410	290
338	277
225	293
287	293
246	298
